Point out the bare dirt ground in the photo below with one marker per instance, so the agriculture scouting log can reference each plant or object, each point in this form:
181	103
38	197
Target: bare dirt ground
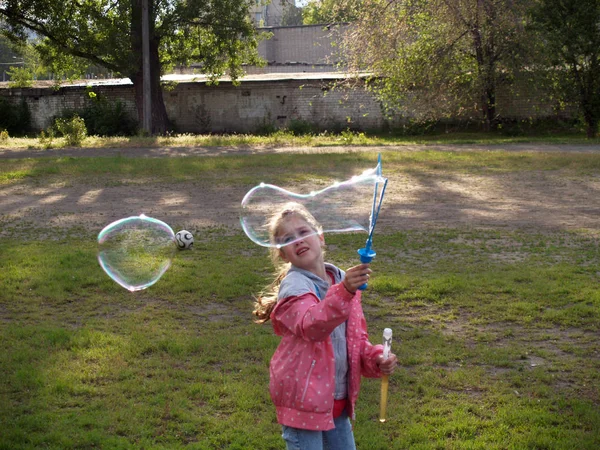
544	200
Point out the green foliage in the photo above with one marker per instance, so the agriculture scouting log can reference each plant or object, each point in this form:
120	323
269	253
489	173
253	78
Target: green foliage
436	59
20	77
330	11
495	329
349	137
266	127
300	127
73	130
63	66
571	38
7	51
105	118
218	35
15	119
292	15
46	138
3	136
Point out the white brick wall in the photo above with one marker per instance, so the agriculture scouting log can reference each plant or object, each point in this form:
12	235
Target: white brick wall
266	101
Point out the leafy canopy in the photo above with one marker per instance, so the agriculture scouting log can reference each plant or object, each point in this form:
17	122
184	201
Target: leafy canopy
219	35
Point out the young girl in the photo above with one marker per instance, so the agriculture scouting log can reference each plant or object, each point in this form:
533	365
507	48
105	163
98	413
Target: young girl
324	350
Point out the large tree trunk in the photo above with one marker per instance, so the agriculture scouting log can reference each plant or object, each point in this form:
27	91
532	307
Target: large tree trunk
160	120
591	122
489	103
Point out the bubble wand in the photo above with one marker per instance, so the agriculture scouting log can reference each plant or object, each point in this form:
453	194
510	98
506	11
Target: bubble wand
367	253
387	348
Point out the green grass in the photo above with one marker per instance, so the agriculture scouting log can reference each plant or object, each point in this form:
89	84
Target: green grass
325	139
119	170
496	329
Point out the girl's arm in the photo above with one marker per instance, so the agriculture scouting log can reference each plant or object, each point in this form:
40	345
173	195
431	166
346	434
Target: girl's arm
311	319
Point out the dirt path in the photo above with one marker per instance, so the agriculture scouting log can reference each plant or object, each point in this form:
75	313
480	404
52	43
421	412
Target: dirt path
540	200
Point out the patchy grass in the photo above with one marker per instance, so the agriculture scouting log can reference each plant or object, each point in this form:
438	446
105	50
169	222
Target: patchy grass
120	170
496	329
288	139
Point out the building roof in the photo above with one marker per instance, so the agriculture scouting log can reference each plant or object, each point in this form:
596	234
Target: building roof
200	78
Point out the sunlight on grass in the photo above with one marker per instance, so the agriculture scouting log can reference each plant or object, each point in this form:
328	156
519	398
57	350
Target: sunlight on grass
496	329
285	138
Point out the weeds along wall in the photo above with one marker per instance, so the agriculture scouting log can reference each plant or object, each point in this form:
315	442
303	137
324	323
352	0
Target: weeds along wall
263	104
195	107
275	104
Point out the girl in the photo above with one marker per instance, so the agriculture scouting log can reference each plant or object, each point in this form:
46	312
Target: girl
324	350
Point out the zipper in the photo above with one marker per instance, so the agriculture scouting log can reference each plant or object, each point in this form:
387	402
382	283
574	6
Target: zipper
312	366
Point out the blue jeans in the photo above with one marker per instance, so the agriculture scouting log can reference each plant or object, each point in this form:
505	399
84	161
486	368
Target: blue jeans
340	438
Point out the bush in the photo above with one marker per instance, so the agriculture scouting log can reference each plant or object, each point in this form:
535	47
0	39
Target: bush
15	120
301	127
47	138
105	118
73	130
20	77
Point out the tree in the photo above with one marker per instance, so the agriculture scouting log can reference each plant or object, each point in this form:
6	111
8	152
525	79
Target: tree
570	30
7	52
292	15
330	11
447	56
108	33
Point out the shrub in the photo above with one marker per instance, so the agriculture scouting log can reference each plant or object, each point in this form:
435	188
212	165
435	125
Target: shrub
3	136
352	137
300	127
73	130
105	118
20	77
15	120
46	138
266	126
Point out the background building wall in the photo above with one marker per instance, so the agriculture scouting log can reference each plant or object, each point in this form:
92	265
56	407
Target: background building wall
307	44
269	14
262	103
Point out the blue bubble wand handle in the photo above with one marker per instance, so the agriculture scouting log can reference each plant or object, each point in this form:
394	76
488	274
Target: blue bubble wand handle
367	253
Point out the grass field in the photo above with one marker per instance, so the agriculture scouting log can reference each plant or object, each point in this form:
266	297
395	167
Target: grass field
497	329
324	139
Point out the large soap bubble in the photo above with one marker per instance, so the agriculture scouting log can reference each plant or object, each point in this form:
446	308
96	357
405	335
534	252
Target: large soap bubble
350	205
136	251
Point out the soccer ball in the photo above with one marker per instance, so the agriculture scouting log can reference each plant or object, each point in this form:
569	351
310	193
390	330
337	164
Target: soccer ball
184	239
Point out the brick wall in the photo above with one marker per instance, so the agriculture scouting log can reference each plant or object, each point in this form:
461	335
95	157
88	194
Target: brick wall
264	102
253	105
47	103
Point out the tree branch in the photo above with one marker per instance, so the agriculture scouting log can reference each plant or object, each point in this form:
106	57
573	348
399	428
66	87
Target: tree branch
41	29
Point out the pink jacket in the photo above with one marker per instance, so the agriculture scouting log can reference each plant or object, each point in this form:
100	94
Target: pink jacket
303	368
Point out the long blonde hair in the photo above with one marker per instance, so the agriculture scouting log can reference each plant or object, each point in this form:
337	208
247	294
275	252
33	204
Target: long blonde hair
266	300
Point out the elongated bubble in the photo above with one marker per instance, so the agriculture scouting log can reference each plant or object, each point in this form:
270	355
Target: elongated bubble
341	207
136	251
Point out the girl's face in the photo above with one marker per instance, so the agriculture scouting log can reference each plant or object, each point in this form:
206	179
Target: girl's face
304	245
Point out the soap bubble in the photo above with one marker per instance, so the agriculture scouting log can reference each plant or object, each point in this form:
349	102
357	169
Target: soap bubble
341	207
136	251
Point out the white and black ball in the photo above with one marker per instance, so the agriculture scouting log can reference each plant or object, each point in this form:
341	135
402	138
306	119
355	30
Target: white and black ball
184	240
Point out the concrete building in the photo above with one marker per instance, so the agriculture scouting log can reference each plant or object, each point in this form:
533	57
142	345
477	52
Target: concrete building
269	14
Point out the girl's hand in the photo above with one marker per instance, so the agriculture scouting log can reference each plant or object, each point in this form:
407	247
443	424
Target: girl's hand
388	365
356	276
